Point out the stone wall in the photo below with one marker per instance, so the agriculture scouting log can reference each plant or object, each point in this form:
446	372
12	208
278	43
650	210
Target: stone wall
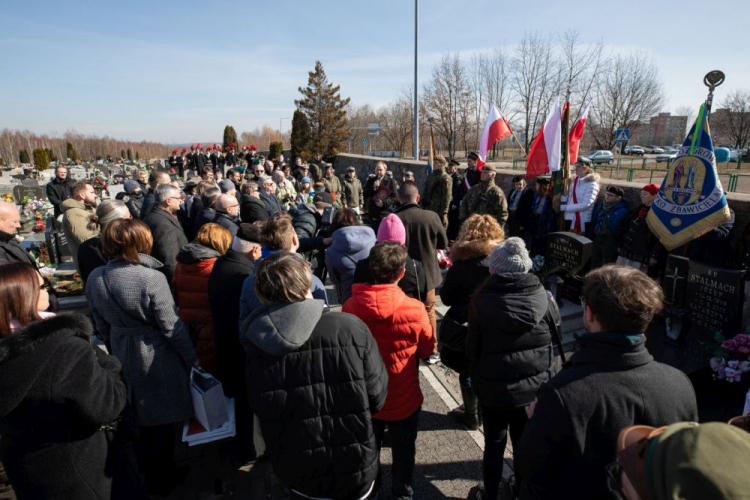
365	166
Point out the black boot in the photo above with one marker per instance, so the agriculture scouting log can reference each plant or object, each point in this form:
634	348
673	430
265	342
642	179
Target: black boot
468	413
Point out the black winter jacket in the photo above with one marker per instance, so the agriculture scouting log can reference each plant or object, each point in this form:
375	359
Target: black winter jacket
57	390
11	251
314	380
59	191
169	238
224	289
90	256
270	203
510	341
610	383
149	201
252	209
135	204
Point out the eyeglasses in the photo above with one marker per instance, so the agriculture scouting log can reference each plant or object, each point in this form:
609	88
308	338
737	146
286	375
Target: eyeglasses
45	286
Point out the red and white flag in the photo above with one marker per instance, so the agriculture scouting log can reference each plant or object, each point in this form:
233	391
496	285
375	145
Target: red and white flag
495	130
544	154
576	133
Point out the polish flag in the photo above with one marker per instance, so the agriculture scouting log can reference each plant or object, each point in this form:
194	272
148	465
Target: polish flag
544	155
576	133
496	129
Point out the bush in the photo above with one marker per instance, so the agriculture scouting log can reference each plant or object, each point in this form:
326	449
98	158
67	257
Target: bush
41	160
275	149
23	156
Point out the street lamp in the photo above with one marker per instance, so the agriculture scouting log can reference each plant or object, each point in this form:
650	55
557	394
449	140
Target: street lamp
280	139
415	134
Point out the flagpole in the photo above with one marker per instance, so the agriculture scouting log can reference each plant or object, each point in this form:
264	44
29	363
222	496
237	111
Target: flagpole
712	80
565	156
518	142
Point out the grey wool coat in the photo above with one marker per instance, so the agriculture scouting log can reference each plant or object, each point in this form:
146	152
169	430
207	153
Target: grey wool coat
134	311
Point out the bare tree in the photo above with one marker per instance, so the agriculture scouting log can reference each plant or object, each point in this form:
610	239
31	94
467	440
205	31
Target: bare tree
581	67
535	80
628	92
446	96
734	123
489	76
396	121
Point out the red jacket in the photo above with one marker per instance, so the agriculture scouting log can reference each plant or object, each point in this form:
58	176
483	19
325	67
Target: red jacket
403	333
190	288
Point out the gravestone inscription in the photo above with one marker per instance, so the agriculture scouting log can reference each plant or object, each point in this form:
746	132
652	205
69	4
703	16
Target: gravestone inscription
20	192
568	255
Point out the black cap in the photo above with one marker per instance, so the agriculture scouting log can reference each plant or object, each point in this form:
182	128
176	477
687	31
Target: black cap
615	190
453	163
473	156
518	178
323	198
542	180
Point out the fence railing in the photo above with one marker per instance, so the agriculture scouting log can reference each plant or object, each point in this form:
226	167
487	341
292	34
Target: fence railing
730	181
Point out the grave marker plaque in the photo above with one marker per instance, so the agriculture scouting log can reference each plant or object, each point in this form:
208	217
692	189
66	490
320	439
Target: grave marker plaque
675	280
567	252
713	299
20	192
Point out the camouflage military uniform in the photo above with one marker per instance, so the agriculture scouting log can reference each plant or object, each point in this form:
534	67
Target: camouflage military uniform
333	186
352	193
485	198
438	192
286	194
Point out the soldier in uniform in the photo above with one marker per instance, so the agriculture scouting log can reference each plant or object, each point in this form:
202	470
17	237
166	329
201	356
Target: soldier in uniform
473	175
317	166
190	158
458	190
352	189
231	158
172	161
438	191
485	198
181	163
333	184
200	160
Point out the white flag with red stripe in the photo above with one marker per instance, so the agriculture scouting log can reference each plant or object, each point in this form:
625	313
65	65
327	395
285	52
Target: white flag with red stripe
576	133
545	152
495	130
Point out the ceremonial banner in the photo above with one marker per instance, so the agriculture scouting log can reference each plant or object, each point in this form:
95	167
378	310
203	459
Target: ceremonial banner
691	201
576	133
544	154
430	155
495	130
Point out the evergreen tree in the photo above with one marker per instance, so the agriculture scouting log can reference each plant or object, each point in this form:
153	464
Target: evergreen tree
275	149
325	112
137	156
122	154
23	156
41	161
71	152
51	155
230	136
300	136
130	154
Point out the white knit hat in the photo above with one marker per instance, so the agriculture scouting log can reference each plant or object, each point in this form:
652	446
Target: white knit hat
510	256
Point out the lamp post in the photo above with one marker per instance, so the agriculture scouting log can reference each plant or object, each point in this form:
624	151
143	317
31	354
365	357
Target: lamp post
712	80
415	135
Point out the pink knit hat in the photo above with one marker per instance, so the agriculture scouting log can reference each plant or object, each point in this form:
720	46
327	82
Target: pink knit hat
392	229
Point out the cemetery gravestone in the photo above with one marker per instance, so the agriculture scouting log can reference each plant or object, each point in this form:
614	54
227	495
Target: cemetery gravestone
568	255
714	298
20	192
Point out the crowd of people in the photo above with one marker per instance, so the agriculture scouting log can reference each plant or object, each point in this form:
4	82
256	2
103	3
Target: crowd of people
227	272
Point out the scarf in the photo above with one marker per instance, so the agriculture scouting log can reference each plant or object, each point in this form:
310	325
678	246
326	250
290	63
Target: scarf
577	224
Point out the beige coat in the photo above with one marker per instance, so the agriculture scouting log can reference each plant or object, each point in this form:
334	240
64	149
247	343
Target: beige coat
76	218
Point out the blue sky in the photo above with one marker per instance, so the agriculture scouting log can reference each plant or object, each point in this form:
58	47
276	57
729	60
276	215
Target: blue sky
178	71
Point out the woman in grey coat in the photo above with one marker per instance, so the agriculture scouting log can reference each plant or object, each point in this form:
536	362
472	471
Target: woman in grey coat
133	309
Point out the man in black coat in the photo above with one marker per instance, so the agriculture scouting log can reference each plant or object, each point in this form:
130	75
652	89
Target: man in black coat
610	383
59	188
228	213
521	210
224	287
268	195
251	208
10	250
377	209
314	379
424	235
157	178
166	230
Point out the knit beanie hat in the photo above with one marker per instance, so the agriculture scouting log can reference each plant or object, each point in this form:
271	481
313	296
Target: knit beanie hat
510	256
392	229
226	185
131	186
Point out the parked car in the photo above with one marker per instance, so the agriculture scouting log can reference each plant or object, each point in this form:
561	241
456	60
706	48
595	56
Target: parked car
653	149
664	157
600	156
669	149
634	150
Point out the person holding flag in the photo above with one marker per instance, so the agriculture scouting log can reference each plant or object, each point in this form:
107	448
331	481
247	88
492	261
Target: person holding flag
578	205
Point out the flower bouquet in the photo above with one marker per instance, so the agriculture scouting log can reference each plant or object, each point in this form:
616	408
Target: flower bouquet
8	197
731	357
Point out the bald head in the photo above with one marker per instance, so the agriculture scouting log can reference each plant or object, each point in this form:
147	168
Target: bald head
408	193
227	203
10	219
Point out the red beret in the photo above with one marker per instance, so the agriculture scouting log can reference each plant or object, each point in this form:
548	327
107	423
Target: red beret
254	147
199	145
652	189
192	146
184	150
176	150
